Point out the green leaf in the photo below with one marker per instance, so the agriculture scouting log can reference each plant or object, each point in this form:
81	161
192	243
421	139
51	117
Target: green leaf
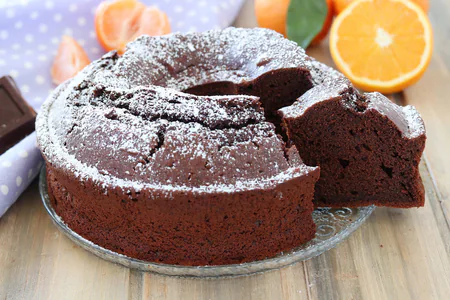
305	20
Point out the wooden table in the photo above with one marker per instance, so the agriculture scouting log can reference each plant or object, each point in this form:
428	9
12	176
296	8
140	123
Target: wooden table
396	254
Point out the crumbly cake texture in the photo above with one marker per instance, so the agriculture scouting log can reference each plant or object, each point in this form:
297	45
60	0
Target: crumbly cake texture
367	147
161	175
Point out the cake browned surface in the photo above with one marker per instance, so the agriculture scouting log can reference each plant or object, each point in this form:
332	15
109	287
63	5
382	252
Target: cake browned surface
170	153
170	177
367	147
183	188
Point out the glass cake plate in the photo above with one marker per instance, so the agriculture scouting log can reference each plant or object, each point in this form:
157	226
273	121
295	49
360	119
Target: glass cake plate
333	226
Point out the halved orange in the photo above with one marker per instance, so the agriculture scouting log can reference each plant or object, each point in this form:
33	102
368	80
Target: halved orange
340	5
121	21
69	60
382	45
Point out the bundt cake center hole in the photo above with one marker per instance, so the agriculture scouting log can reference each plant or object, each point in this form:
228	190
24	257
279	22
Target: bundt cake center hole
276	89
219	88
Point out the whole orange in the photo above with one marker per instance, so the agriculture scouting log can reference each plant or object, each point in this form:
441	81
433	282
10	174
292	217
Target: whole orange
326	25
340	5
272	14
382	56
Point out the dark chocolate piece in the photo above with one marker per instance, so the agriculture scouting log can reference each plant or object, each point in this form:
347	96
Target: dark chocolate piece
16	116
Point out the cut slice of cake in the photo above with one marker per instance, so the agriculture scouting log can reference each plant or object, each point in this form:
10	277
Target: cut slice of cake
367	147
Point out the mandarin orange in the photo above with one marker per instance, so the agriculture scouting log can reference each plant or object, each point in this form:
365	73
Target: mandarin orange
121	21
70	59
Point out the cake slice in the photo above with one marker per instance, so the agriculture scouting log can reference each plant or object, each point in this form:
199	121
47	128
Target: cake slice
367	147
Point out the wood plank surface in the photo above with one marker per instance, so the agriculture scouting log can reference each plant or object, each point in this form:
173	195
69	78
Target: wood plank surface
396	254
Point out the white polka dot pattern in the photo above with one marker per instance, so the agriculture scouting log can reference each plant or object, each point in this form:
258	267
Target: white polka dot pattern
30	32
4	189
23	153
14	170
6	164
18	181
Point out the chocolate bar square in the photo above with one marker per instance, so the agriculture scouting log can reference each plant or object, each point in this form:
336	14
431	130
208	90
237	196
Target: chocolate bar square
16	116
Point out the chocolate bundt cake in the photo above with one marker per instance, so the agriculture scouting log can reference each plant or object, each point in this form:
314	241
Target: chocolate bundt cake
170	152
367	147
165	176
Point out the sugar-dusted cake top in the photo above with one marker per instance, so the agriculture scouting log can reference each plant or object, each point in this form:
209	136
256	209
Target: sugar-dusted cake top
112	124
232	54
406	118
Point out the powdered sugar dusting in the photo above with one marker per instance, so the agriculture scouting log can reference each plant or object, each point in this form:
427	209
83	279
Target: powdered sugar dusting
60	156
124	122
323	92
233	54
112	125
407	119
323	74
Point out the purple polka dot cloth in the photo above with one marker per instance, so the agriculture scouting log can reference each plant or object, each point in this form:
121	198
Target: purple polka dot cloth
30	32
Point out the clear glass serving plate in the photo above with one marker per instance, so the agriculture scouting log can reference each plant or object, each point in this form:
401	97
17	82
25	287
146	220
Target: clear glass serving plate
333	226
